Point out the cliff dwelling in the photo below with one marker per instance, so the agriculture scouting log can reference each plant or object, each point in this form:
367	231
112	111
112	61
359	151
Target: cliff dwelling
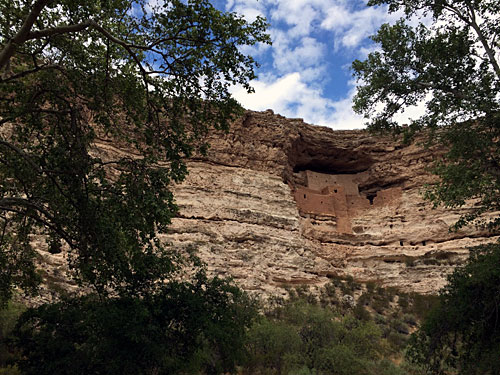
337	196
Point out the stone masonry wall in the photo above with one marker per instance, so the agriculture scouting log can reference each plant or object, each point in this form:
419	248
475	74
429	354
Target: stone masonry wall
338	196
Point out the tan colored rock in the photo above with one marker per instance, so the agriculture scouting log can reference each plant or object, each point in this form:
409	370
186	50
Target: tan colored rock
277	202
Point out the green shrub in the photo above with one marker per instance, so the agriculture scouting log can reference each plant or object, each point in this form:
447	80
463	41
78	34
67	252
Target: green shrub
423	304
8	318
272	345
365	299
391	293
399	326
397	340
461	334
307	339
360	312
403	302
370	287
380	304
181	328
380	319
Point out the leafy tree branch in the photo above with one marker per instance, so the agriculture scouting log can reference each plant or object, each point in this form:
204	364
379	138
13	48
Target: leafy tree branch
153	82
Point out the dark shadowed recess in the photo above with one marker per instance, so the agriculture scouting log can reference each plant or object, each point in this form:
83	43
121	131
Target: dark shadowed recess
322	155
326	157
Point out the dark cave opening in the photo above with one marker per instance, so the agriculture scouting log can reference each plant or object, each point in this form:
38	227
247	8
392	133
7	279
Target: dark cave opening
325	156
371	197
329	167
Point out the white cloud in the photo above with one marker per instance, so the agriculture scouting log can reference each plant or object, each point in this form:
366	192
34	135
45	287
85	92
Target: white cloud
153	5
300	15
249	9
352	27
307	56
413	112
308	35
292	97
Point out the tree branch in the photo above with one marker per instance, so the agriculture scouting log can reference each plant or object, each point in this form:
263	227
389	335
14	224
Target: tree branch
472	22
427	85
489	51
59	30
9	204
21	36
30	71
21	153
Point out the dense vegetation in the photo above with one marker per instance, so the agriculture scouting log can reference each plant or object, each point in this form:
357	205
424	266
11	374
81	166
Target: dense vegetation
348	328
462	334
186	328
153	79
335	334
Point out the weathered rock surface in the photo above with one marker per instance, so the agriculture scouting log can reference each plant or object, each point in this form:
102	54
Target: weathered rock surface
277	202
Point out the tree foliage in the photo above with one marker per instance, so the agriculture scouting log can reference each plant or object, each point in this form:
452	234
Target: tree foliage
185	328
450	62
152	81
462	334
304	338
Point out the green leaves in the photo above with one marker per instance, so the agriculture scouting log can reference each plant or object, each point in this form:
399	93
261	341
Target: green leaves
303	338
83	73
101	102
462	334
182	328
451	68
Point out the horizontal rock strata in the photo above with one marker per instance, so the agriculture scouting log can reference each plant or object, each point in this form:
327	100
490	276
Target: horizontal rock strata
277	202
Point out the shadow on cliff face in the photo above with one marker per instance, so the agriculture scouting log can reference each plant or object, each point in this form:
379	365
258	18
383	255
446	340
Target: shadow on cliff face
323	156
326	157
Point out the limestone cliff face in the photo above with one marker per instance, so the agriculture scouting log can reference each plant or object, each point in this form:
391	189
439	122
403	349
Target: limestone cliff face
277	202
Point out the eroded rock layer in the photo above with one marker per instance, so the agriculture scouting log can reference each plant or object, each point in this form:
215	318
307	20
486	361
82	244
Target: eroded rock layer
277	202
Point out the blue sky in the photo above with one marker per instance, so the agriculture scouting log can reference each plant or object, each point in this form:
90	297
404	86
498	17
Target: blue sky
306	72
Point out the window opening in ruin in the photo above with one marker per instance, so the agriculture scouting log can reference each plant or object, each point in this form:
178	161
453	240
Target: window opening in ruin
424	243
335	190
304	195
371	197
390	226
401	243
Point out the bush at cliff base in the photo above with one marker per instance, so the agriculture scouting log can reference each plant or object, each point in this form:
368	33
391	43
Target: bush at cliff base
462	335
184	328
8	355
302	338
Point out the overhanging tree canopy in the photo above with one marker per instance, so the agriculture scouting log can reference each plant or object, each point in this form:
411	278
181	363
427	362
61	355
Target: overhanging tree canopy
450	62
152	79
